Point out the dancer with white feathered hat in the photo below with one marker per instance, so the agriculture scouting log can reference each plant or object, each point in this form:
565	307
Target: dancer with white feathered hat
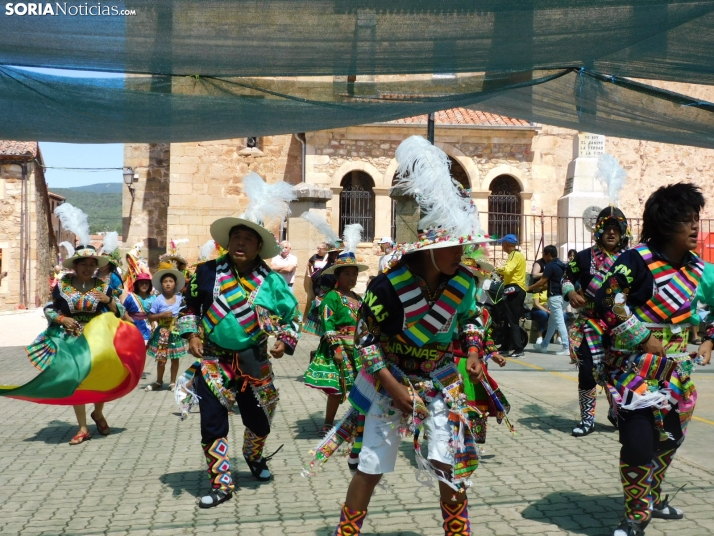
335	366
109	273
409	383
234	303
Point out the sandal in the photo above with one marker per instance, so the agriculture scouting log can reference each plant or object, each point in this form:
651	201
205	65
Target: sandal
80	437
172	386
582	429
630	527
156	386
325	430
214	498
664	511
259	468
696	341
102	426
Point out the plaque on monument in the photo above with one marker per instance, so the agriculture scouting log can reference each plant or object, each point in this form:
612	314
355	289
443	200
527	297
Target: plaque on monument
590	145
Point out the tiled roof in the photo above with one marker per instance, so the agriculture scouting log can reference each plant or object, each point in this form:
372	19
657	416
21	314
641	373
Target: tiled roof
465	116
14	149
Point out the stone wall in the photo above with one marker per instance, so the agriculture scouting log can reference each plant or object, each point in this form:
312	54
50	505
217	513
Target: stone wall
41	253
144	214
206	182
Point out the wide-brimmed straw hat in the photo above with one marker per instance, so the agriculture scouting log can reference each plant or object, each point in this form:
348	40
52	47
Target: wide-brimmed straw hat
178	277
346	260
220	229
85	252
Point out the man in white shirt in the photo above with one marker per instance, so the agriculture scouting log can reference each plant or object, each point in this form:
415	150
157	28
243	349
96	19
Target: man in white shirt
285	263
387	247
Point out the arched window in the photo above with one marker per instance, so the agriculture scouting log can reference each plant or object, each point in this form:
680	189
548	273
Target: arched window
504	206
357	202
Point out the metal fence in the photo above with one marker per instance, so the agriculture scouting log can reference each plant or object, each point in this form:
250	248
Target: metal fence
539	230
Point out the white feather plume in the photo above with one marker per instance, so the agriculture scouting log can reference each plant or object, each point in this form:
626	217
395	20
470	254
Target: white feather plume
320	223
111	242
352	236
75	221
611	174
267	201
69	247
206	250
424	173
180	241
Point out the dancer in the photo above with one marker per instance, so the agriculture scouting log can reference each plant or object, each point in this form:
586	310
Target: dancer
166	343
588	270
173	259
408	320
85	356
138	304
238	302
335	366
645	303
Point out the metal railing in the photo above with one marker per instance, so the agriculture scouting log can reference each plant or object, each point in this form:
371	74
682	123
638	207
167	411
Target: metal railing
539	230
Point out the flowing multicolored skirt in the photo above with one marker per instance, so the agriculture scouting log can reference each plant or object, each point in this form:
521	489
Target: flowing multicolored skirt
165	343
103	363
324	373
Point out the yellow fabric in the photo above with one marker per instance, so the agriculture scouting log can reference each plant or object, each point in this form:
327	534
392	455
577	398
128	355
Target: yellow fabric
514	272
107	370
542	297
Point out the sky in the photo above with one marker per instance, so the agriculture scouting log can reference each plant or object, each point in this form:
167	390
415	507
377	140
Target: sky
76	155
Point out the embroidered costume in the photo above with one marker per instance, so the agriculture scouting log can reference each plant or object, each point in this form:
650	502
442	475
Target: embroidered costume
166	341
644	295
234	314
589	269
406	330
138	309
339	319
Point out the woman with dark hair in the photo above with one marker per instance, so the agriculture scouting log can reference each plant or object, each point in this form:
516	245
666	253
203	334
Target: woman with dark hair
583	277
78	298
334	368
645	303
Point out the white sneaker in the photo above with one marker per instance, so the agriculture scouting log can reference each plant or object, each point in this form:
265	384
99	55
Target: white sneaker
539	340
564	351
538	348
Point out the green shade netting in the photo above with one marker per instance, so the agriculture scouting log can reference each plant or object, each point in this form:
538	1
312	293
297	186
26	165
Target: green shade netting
175	109
654	39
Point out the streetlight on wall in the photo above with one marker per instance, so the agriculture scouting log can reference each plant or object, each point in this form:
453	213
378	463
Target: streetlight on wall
128	174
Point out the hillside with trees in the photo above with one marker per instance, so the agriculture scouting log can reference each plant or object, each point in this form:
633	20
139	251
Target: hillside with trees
101	202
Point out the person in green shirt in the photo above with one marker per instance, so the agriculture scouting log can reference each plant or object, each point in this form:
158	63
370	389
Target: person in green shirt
514	282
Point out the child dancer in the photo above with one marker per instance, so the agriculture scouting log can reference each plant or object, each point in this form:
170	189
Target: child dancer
334	368
165	342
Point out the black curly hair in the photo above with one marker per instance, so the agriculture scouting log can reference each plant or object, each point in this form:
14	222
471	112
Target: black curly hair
666	207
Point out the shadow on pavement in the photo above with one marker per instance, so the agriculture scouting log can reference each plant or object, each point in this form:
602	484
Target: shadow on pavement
576	513
58	432
195	483
308	428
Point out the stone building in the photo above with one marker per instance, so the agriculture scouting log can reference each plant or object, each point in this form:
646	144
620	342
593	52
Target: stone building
516	171
61	234
28	247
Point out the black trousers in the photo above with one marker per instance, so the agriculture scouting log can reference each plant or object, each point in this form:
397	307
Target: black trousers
513	309
214	415
640	439
586	378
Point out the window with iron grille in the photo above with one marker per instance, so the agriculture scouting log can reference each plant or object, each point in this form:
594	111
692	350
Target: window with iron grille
504	207
357	203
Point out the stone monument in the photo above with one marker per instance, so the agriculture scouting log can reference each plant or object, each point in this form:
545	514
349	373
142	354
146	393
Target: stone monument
584	194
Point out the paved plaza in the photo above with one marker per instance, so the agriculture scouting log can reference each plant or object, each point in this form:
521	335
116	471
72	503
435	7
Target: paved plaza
145	478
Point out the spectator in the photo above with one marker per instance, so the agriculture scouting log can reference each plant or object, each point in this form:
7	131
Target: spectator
537	270
286	263
318	260
387	247
514	289
552	279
